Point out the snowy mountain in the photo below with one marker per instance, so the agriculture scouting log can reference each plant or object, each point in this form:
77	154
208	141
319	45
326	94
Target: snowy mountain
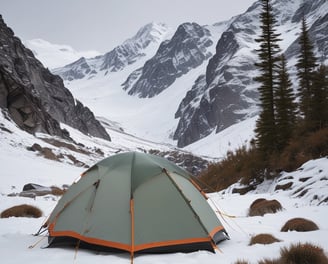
187	49
146	39
56	55
194	93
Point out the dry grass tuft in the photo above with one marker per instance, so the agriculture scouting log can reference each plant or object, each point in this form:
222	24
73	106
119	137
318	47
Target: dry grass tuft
300	225
57	191
263	239
262	206
241	261
23	210
303	253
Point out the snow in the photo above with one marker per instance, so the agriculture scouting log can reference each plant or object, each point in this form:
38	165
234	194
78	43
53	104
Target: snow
56	55
217	144
20	167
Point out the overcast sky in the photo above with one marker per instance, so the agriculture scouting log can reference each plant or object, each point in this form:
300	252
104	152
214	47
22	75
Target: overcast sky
102	24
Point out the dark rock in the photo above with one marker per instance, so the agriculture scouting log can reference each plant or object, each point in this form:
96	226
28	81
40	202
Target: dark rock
214	100
37	100
32	186
189	162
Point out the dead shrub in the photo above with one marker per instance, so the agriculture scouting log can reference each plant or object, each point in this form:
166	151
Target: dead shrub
303	253
57	191
263	239
244	165
23	210
302	148
262	206
300	225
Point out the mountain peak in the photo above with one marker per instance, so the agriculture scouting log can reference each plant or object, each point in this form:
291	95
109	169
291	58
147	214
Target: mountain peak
152	32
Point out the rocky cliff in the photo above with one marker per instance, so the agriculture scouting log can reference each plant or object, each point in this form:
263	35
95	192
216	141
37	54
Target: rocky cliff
35	98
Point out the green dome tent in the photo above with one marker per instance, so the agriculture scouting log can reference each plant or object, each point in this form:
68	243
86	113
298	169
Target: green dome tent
135	202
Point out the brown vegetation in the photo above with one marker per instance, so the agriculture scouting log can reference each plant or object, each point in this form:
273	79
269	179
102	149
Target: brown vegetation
296	254
249	167
300	225
57	191
262	206
241	261
303	253
243	164
23	210
301	149
263	239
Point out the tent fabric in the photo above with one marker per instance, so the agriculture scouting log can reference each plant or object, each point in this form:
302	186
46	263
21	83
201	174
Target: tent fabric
136	202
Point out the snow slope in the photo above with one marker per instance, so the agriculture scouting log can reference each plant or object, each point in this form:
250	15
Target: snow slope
56	55
20	166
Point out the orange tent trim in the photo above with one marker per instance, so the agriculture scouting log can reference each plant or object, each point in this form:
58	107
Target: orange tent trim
215	230
91	240
172	243
132	247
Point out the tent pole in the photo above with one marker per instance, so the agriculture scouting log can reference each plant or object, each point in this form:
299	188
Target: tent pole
132	229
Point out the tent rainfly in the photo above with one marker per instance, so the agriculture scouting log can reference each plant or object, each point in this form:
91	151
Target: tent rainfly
135	202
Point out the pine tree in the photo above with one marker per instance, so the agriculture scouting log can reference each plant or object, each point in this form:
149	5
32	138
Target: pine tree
268	55
285	106
319	108
306	65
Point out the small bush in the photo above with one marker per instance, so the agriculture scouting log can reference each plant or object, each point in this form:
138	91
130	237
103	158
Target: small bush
262	206
300	225
23	210
303	253
263	239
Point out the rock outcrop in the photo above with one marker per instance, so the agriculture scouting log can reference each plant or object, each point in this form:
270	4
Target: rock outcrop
35	98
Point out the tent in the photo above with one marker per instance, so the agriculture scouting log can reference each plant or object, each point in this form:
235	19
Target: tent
135	202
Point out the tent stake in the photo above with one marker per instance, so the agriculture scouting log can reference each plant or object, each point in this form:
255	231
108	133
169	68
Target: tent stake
76	249
37	242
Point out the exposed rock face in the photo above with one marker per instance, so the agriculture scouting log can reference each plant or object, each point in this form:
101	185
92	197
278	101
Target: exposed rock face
36	99
216	98
318	31
187	49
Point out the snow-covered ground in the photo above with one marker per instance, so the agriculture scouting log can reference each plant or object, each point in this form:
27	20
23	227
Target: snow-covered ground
20	166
